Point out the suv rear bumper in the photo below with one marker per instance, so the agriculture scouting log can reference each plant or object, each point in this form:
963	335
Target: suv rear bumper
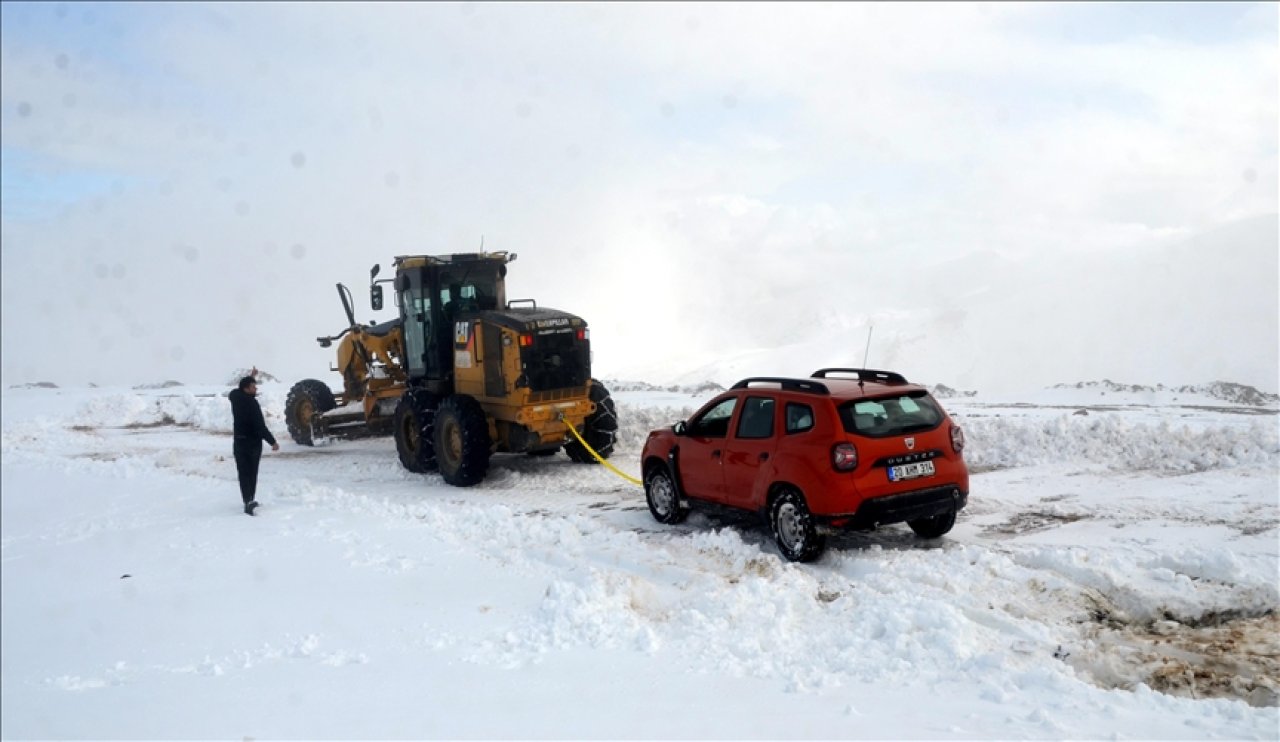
879	511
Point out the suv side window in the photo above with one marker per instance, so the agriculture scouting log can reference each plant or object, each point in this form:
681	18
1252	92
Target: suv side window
714	423
799	418
756	420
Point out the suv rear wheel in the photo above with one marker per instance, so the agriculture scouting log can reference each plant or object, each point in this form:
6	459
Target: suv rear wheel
934	527
660	492
793	528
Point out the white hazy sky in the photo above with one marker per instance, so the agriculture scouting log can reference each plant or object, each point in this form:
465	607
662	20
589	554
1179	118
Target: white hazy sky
1015	195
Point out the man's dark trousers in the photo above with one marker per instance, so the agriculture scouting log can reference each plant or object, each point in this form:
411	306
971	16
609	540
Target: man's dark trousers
248	454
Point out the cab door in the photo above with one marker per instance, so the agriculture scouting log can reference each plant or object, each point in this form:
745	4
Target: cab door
415	311
748	451
495	383
702	450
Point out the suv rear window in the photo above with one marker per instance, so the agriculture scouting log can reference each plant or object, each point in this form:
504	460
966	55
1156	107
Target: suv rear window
884	416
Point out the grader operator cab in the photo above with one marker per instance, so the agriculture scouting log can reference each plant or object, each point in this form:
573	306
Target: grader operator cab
462	374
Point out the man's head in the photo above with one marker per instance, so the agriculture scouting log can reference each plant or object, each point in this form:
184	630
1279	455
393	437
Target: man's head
249	385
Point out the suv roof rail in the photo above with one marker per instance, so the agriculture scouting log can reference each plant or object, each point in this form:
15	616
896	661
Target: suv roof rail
788	385
863	374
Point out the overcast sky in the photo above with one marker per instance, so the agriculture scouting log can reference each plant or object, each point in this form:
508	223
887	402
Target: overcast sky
1014	195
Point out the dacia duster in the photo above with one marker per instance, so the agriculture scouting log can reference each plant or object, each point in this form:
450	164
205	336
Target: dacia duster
843	449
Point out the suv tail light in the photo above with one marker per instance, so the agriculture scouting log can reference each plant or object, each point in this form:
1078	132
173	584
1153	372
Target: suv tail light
957	439
844	457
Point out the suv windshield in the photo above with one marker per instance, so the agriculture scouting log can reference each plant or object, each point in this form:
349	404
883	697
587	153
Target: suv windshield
884	416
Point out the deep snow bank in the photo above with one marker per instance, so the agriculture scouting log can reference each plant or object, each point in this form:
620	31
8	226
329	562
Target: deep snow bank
206	410
999	442
1111	441
994	442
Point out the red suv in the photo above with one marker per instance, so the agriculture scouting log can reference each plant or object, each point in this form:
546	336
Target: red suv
814	455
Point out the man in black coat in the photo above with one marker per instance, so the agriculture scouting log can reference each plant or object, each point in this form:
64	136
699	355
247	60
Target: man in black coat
250	431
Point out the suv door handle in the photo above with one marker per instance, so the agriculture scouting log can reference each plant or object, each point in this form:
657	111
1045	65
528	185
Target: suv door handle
764	457
715	454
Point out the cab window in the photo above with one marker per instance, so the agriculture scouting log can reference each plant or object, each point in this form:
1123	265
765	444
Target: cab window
714	423
469	288
799	418
756	420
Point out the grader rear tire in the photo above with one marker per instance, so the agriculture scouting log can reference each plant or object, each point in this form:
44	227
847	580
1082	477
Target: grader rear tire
600	429
414	427
462	441
306	399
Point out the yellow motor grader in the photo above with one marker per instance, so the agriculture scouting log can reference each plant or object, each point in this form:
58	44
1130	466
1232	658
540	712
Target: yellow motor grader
463	373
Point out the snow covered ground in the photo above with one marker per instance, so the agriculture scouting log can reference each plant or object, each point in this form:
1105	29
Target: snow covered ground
1116	575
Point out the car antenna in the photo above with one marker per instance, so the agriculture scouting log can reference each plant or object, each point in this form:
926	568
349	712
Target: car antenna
865	355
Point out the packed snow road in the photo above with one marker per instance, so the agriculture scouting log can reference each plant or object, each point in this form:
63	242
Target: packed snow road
1115	574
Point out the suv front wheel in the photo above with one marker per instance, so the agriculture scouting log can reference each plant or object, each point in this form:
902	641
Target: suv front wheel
660	492
793	528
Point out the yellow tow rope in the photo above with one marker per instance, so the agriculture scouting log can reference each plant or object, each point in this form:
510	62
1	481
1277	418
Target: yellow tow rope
599	458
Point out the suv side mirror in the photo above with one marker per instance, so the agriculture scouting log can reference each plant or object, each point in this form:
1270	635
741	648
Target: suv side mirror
680	428
375	297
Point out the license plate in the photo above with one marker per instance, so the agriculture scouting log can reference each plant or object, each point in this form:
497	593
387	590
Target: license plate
911	471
